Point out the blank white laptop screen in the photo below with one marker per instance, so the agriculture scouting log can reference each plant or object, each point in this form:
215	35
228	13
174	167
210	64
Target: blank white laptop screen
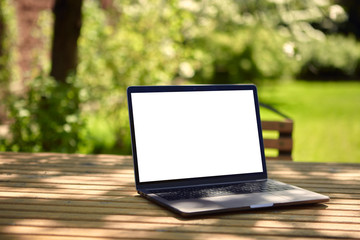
181	135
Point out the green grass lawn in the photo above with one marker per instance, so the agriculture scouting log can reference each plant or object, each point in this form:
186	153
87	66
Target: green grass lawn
326	118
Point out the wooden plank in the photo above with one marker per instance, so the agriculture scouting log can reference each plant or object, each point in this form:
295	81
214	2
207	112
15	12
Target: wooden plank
75	233
83	180
45	237
108	202
41	185
280	157
124	190
278	166
300	166
284	144
293	177
66	171
67	166
159	231
109	192
129	181
335	216
157	234
133	223
144	208
209	237
68	196
77	159
123	174
118	192
111	221
23	186
126	201
115	159
284	127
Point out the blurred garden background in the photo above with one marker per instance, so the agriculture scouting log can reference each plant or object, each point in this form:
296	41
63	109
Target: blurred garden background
65	66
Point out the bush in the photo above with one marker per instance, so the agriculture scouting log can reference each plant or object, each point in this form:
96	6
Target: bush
335	57
46	119
247	55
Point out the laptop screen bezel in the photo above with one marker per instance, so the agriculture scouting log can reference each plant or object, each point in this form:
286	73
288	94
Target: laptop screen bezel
201	180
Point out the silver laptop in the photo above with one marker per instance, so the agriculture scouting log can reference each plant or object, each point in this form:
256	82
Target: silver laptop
199	150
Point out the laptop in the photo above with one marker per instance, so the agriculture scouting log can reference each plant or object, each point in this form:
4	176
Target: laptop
199	150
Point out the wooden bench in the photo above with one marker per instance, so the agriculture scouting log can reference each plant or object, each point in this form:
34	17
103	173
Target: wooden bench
283	142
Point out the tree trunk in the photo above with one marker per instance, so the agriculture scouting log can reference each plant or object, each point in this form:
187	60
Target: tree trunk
4	73
67	27
2	35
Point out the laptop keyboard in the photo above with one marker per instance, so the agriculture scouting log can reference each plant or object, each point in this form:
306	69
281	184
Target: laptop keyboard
222	190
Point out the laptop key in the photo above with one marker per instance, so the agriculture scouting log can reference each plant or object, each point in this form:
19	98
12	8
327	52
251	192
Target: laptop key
221	190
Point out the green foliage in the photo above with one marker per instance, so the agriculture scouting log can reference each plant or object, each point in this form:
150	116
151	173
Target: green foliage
336	57
236	57
188	41
317	55
170	42
8	69
47	119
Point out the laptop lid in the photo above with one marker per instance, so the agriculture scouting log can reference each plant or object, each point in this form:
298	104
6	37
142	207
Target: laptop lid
191	135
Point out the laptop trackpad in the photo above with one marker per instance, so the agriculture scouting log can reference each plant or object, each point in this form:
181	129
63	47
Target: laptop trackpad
254	200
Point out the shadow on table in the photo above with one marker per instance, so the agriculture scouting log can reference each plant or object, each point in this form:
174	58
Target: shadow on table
94	196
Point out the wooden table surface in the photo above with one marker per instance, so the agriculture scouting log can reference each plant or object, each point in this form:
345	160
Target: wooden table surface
64	196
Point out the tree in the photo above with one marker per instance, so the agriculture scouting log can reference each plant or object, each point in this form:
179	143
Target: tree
2	32
67	25
4	57
57	112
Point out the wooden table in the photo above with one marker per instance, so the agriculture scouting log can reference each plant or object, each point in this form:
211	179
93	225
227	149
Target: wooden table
63	196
